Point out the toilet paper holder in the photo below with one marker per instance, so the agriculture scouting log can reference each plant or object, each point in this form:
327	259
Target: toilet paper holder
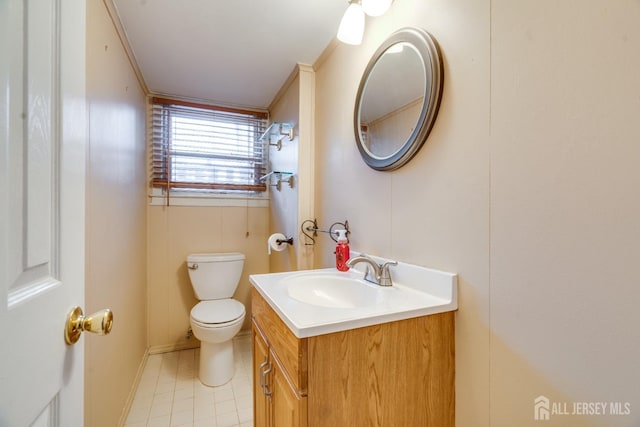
278	242
288	241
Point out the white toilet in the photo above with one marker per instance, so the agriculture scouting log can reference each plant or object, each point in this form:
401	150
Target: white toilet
217	318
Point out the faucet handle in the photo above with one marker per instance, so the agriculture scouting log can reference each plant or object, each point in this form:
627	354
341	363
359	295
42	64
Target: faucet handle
386	265
385	274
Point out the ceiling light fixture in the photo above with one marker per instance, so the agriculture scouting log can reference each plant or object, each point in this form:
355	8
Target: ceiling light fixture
376	7
352	24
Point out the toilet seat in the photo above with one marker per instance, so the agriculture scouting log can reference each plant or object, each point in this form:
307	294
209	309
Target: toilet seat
216	313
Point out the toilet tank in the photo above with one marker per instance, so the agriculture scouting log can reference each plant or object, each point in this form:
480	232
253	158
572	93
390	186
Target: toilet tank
215	275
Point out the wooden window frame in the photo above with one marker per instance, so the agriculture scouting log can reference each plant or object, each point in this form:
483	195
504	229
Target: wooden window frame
162	152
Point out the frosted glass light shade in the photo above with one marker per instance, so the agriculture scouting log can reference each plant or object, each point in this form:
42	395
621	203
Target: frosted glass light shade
376	7
352	25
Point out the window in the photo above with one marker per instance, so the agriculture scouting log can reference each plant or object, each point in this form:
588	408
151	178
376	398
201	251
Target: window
206	149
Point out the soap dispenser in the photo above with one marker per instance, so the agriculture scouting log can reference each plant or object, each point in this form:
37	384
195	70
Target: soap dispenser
342	251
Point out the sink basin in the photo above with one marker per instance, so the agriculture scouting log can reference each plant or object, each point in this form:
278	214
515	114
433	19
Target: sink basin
332	290
323	301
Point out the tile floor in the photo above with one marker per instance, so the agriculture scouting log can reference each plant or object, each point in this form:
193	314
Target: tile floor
170	394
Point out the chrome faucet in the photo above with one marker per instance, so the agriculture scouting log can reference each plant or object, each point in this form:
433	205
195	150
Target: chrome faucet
381	275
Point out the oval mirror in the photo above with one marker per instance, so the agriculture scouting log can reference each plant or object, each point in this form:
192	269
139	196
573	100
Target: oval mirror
398	99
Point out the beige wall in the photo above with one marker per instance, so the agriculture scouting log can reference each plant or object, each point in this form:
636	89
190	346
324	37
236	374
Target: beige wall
565	204
115	221
283	205
527	188
387	134
291	206
177	231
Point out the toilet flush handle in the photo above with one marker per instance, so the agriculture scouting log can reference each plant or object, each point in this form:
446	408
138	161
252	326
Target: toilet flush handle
193	266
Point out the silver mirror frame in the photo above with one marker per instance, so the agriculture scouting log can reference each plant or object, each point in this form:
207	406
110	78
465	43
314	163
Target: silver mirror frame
429	53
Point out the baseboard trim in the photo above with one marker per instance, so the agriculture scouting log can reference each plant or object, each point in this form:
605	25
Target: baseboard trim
132	392
167	348
186	345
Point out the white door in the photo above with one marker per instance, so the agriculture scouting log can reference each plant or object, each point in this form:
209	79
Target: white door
42	162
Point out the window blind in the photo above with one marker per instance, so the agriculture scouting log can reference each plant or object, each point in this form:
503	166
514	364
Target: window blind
202	148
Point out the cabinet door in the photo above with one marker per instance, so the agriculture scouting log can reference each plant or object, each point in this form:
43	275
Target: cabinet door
289	409
261	401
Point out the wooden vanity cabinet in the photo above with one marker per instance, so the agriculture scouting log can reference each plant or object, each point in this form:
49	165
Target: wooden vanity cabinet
261	402
276	402
279	370
289	409
393	374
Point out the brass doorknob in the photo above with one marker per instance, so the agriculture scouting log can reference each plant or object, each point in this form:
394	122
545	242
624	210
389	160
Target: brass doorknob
99	323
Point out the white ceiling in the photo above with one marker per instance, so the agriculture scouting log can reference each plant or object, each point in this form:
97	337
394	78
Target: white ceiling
231	52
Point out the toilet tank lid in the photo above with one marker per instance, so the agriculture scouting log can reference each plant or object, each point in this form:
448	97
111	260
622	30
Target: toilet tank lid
215	257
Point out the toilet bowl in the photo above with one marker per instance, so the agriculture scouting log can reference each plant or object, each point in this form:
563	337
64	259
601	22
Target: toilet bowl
217	318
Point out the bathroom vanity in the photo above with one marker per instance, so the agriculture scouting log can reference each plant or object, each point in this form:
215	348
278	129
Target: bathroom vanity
394	370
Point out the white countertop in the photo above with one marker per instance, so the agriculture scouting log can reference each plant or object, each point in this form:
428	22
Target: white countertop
417	291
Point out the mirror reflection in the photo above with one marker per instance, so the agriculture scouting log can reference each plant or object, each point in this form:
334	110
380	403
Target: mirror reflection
392	100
